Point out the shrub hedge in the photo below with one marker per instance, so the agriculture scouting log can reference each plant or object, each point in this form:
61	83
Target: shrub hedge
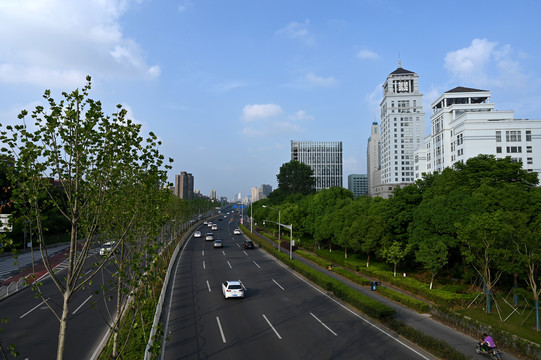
440	297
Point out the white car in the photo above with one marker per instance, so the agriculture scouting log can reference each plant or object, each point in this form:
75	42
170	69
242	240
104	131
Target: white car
197	234
218	243
107	248
233	288
214	227
209	237
209	224
236	232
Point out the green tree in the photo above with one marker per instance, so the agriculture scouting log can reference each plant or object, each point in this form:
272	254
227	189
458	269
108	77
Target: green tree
89	154
294	178
394	253
528	248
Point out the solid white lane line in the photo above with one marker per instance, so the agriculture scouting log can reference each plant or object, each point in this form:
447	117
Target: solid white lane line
208	285
256	264
34	308
221	330
354	313
84	302
203	264
272	327
326	327
278	284
228	263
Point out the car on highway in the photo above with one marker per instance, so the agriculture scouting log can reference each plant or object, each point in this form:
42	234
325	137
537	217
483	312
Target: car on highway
209	237
206	222
218	243
233	288
214	227
248	244
209	224
197	234
236	232
107	248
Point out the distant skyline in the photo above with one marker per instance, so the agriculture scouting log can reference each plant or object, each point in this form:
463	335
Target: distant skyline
227	85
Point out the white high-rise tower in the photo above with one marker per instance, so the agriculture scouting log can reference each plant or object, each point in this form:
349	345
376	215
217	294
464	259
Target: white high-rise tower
402	129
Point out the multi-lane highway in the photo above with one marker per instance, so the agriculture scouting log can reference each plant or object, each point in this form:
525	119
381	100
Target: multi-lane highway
33	329
281	317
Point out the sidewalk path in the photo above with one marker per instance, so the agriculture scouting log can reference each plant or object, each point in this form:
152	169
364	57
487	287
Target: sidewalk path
12	270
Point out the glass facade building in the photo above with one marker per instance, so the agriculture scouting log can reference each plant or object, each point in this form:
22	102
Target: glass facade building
325	159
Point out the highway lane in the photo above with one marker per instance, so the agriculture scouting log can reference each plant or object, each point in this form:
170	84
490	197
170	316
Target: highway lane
282	316
33	329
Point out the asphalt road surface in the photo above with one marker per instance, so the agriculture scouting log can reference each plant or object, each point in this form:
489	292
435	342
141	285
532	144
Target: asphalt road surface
281	317
33	329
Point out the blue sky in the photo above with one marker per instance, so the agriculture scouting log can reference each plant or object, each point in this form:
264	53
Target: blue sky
226	85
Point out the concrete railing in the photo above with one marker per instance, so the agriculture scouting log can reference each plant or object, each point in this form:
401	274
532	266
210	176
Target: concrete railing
12	288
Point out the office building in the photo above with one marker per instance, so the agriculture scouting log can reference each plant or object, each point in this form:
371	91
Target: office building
261	192
373	159
184	185
358	184
325	159
402	130
464	124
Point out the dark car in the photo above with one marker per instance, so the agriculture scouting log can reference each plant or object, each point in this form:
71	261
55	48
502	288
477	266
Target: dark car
248	244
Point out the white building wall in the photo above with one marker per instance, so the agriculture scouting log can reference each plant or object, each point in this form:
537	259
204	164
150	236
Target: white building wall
464	130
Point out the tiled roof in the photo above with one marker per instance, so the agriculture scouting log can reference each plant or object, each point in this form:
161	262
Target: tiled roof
400	71
463	89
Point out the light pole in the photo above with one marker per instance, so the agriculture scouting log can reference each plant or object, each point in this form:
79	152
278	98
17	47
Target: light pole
279	220
251	215
290	227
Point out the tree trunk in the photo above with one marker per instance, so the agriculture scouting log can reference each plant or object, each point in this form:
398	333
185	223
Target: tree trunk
368	260
537	319
345	253
394	270
63	326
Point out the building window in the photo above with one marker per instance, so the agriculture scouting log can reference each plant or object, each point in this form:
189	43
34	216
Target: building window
528	149
512	136
459	139
529	161
514	149
528	135
498	150
498	136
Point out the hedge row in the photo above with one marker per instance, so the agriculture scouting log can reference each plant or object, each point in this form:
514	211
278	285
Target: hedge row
397	296
437	347
362	302
443	298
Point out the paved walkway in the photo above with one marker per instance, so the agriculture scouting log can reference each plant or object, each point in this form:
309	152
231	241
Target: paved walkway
422	322
13	269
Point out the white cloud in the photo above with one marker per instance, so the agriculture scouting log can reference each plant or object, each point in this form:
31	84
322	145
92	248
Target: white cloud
298	31
58	42
301	115
367	54
320	80
260	111
485	64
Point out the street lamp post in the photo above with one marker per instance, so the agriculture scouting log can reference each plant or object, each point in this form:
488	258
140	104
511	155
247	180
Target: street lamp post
290	227
279	220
